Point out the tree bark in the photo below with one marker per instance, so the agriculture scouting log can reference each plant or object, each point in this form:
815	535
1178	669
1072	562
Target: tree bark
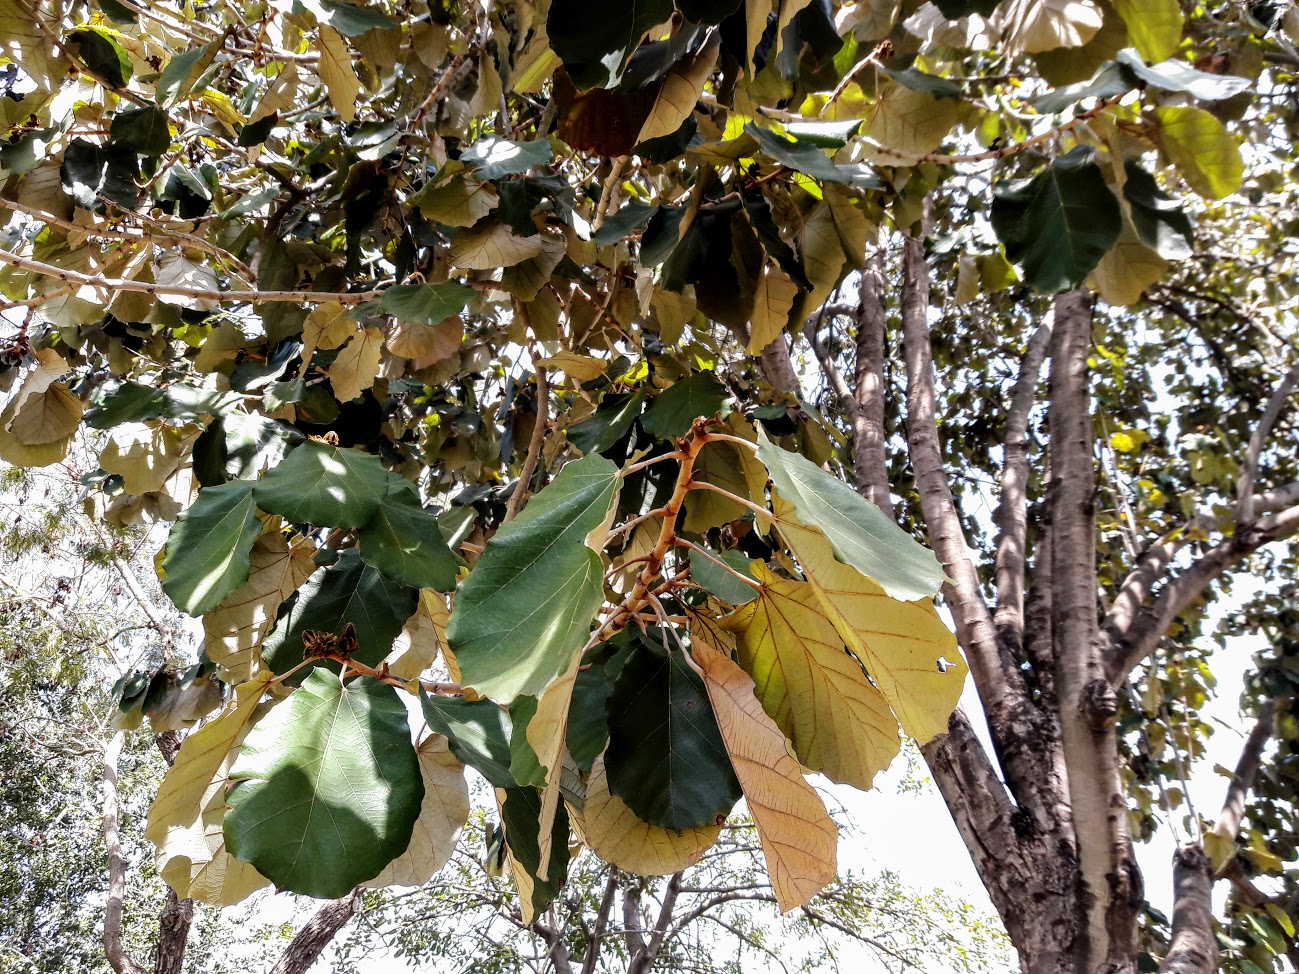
118	959
1109	883
869	459
1193	948
173	934
305	948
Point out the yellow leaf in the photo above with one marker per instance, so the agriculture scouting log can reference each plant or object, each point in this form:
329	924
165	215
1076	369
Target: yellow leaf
717	464
49	367
487	95
356	366
583	368
967	280
185	819
487	247
771	306
673	310
144	455
337	73
14	451
910	122
1127	270
756	13
50	416
854	228
681	89
234	630
817	693
426	345
799	841
546	732
441	817
823	254
458	202
900	643
1154	26
279	95
618	837
326	327
1201	148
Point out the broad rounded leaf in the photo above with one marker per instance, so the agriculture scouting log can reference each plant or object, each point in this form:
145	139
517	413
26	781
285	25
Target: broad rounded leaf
1059	224
402	540
520	817
673	410
324	485
617	836
859	532
327	789
1201	148
527	606
479	732
207	552
665	757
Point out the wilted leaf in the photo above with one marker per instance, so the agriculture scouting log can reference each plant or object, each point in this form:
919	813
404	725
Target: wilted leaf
798	839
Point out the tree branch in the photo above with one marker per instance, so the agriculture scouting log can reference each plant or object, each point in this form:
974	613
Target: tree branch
1193	948
305	948
869	459
1128	647
1012	512
1251	755
595	940
1249	469
113	949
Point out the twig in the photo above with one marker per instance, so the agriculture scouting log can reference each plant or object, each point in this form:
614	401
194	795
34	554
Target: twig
538	439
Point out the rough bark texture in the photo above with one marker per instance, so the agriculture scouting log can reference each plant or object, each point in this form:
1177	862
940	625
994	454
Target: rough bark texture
173	934
1109	883
305	948
1193	948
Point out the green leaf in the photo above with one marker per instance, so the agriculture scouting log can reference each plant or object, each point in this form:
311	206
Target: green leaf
1112	79
102	55
1059	224
207	552
327	788
527	606
1160	222
134	402
479	732
665	757
521	817
525	768
809	159
182	70
402	540
91	171
612	419
427	304
630	218
674	409
144	130
324	485
930	84
1201	148
500	157
1180	76
595	39
859	532
707	11
588	728
346	591
721	583
350	20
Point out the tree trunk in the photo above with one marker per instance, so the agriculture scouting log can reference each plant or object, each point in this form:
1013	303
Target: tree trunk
305	948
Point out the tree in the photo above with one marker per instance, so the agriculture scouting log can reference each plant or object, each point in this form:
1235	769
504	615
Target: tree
515	305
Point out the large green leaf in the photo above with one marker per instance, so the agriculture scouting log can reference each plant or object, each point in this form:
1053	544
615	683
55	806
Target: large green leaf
525	768
1059	224
1160	222
324	485
665	757
327	788
595	39
496	157
861	535
808	158
588	727
145	130
427	304
479	732
527	606
521	817
134	402
674	409
346	591
402	540
207	551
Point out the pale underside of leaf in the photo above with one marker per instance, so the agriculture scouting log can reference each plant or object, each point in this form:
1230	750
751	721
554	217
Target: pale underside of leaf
144	455
617	836
356	366
771	306
185	818
681	89
337	73
442	815
546	732
234	630
900	643
818	694
421	639
799	841
493	245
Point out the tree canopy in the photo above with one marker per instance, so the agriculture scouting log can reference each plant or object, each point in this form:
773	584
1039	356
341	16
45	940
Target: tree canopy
651	370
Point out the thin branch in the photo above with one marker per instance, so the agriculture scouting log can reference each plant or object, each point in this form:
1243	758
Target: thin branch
536	442
596	939
118	959
1249	469
1012	512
